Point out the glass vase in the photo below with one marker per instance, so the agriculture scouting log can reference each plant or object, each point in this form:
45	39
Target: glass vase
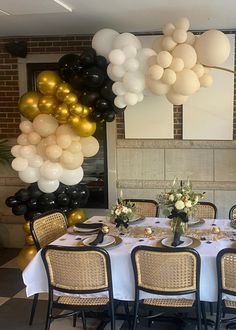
178	228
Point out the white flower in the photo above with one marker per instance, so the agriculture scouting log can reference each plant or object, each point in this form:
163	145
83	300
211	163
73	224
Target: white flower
178	196
171	197
125	210
188	204
117	212
179	205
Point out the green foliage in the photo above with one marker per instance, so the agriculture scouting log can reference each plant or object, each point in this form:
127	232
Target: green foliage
5	152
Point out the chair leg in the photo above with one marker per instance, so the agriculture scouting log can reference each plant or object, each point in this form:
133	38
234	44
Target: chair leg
49	315
136	305
83	320
211	308
112	312
34	304
218	315
126	306
204	314
74	320
198	310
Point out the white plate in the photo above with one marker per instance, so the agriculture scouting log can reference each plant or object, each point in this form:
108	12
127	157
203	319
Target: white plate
107	240
136	219
85	230
168	241
193	221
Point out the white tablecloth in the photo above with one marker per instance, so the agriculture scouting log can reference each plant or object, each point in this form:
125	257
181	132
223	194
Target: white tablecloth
35	279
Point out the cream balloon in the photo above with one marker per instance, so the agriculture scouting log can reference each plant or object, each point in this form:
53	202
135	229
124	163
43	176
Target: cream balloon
179	36
187	53
15	150
26	126
190	38
177	64
65	129
29	175
198	69
187	82
206	80
19	164
48	186
53	152
50	170
168	43
22	140
50	140
212	48
155	72
72	177
157	87
34	138
157	44
71	161
164	59
102	41
28	151
169	77
64	140
182	23
89	146
176	99
168	29
45	125
74	147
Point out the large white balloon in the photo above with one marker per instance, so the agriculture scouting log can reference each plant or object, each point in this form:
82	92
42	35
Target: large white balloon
102	41
134	82
19	164
212	48
29	175
15	150
48	186
71	177
142	56
117	57
50	170
126	39
45	125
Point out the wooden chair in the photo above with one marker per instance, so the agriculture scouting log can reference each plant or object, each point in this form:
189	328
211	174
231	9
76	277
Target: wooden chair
166	272
206	210
232	213
226	271
78	270
145	207
45	229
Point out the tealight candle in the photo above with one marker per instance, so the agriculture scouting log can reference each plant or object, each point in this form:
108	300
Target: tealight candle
105	229
215	230
148	231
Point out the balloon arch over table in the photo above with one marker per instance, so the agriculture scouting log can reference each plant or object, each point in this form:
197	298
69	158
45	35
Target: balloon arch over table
60	118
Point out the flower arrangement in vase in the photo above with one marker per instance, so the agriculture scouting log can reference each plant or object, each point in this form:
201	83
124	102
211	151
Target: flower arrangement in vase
179	204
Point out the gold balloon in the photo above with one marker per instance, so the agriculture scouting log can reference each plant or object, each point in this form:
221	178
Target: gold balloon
26	227
28	105
62	90
74	120
76	109
26	255
84	127
29	240
86	112
48	104
47	82
76	215
62	112
71	98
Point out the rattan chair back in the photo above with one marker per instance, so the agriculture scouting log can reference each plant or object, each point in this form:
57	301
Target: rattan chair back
232	213
74	269
226	265
206	210
48	227
145	207
162	271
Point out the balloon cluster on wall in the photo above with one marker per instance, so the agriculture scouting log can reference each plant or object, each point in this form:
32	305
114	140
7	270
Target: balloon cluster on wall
32	202
176	66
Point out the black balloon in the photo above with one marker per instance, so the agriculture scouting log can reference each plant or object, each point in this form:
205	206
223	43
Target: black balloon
68	65
74	203
102	105
89	98
32	203
101	62
61	189
22	195
12	201
46	202
30	215
109	116
75	80
87	57
118	110
93	77
96	116
106	91
34	190
64	209
19	209
63	199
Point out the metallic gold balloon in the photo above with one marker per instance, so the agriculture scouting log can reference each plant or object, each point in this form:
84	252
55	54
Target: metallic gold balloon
47	82
26	255
63	89
71	98
86	112
76	215
28	105
48	104
29	240
62	112
74	120
84	127
76	109
26	227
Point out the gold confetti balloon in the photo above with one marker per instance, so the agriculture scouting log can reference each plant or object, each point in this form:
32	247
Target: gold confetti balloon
76	215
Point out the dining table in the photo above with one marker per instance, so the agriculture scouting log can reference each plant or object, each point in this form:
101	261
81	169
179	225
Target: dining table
208	237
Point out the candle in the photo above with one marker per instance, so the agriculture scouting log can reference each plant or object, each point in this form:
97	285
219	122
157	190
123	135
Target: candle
121	194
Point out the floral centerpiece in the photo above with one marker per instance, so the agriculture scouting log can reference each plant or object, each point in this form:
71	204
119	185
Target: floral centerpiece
122	212
179	204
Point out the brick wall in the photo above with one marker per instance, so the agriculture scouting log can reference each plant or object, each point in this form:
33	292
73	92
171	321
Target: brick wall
9	87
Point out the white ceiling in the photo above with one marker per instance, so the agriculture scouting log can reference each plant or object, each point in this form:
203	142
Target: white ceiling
45	17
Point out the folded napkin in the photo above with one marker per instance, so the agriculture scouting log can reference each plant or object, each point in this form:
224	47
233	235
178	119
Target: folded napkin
88	225
98	239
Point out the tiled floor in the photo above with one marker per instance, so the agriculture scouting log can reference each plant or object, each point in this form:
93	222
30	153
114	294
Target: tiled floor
15	306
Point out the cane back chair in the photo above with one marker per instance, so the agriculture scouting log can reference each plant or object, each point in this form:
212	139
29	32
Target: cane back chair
166	272
45	229
144	207
232	213
78	270
226	271
206	210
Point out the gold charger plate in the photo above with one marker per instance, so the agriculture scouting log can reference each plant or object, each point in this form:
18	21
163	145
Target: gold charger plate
194	244
117	241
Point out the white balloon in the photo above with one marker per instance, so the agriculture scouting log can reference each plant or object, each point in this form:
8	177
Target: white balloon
28	151
206	80
117	57
26	126
187	53
53	152
131	98
118	88
75	147
134	82
182	23
110	73
71	161
29	175
176	99
118	71
177	64
19	164
143	57
140	97
131	64
64	140
164	59
22	140
48	186
168	43
155	72
34	138
90	146
187	82
102	41
50	170
71	177
126	39
45	125
212	48
169	77
168	29
36	161
15	150
179	36
120	102
130	51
